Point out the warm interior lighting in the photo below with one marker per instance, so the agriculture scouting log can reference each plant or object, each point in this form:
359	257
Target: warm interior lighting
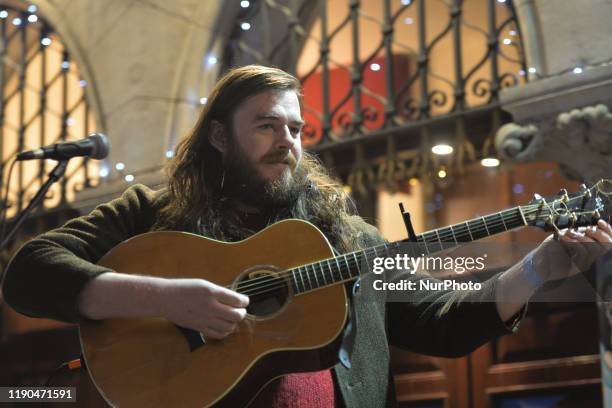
442	149
490	162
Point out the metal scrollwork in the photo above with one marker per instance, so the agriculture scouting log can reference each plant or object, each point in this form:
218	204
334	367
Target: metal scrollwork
345	120
361	179
310	134
508	80
482	87
409	108
437	98
370	114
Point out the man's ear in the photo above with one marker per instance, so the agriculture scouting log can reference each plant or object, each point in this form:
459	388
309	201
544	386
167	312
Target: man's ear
218	136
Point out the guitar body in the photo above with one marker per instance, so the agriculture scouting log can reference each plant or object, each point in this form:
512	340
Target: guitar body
150	362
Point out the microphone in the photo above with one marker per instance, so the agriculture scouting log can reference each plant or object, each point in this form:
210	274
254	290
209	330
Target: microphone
95	146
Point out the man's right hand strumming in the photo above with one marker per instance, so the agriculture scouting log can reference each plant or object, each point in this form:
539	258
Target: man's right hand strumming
196	304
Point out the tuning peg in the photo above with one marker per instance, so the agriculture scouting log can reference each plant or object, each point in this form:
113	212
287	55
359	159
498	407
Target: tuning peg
539	199
596	215
564	198
583	187
585	198
572	219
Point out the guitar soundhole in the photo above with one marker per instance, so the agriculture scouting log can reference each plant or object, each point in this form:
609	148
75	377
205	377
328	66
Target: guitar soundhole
267	292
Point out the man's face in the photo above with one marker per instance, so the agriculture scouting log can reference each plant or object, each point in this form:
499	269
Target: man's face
266	128
264	149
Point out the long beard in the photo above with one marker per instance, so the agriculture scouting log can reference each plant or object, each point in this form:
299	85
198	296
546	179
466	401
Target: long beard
244	183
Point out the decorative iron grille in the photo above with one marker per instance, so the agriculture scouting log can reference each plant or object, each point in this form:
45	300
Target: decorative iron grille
385	78
43	101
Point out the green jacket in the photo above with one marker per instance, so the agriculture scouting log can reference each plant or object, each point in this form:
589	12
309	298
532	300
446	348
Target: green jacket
46	275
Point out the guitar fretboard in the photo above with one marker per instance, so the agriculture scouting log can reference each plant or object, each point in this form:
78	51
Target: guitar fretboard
349	266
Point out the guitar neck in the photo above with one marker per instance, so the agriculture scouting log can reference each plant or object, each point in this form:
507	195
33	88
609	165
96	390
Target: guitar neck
350	266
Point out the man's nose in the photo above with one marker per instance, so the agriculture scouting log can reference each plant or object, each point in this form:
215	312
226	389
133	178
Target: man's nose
285	138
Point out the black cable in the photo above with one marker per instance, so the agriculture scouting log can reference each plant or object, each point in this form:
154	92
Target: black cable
55	372
76	364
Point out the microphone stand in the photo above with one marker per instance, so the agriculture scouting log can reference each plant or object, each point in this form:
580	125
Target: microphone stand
54	176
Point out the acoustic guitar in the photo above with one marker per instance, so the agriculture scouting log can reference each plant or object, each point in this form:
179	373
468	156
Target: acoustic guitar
297	311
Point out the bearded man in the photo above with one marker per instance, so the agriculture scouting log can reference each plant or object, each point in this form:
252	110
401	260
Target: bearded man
241	169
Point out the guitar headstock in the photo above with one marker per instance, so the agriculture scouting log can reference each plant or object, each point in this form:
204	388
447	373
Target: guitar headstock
570	210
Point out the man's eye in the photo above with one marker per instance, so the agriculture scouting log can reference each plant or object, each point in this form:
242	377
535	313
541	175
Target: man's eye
295	130
266	126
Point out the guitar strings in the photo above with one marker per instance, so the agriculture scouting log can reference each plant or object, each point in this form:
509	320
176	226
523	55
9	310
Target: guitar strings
273	282
269	283
530	209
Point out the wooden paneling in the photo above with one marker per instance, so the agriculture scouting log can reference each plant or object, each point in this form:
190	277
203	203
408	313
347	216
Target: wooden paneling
446	382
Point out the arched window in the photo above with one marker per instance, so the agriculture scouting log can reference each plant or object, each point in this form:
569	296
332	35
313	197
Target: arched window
43	101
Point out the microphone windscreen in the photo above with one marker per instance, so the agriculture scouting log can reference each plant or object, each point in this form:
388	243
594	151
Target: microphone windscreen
101	146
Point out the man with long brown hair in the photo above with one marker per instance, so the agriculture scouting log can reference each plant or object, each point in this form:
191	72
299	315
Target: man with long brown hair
272	182
241	169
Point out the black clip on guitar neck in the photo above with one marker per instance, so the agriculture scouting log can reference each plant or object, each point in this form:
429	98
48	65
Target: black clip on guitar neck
407	223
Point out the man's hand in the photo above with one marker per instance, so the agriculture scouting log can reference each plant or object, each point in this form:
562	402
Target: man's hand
574	252
195	304
200	305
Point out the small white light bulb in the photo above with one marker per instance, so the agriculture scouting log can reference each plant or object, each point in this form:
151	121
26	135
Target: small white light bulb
442	149
490	162
211	60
